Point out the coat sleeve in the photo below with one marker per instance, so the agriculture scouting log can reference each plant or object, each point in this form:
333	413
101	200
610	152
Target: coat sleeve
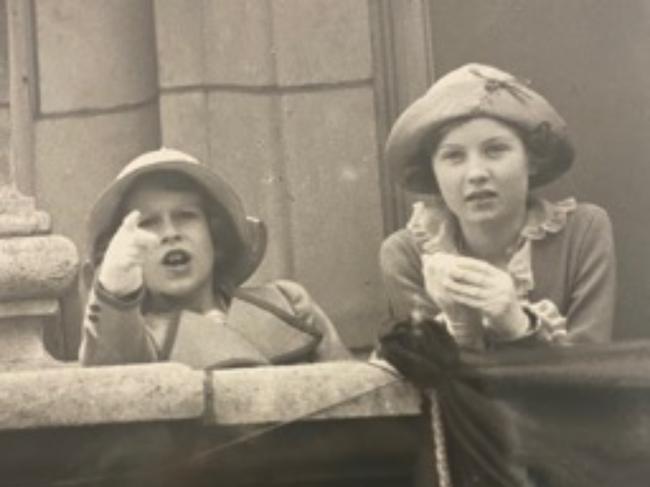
592	297
331	346
401	269
114	331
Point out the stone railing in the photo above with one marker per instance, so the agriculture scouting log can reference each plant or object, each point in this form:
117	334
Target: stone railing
323	424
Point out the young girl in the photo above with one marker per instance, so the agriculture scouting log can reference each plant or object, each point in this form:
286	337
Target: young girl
497	265
169	246
493	264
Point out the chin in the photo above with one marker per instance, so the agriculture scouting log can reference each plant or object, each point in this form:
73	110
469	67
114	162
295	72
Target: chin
484	216
174	290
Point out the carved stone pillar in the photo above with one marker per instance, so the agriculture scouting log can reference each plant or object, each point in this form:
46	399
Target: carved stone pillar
36	267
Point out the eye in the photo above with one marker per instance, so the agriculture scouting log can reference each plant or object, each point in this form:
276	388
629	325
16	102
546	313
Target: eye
189	214
450	156
496	149
147	222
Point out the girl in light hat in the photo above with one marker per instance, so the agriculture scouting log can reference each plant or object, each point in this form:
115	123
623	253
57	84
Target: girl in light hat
496	265
169	246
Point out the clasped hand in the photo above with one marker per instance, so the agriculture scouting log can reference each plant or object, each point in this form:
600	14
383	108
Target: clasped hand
121	270
454	280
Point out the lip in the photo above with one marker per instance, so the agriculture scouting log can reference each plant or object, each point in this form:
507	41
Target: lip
481	195
176	259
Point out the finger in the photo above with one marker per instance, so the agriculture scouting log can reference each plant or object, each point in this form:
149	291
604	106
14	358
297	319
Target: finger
145	239
475	265
471	277
132	220
464	300
466	292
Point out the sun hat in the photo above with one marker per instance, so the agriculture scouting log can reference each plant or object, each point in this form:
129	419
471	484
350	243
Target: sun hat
474	90
250	232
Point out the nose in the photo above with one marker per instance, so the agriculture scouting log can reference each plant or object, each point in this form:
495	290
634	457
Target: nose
169	231
477	171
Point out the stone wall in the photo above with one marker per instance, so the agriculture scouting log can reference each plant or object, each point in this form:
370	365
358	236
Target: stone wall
278	95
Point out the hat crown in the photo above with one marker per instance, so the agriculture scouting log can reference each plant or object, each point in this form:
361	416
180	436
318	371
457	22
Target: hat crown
159	156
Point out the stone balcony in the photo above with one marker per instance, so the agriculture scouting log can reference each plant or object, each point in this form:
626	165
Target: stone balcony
345	423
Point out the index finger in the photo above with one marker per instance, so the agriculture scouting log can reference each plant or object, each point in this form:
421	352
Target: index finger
143	238
132	220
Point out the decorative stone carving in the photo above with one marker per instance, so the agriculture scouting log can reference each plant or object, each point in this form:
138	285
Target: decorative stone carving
35	270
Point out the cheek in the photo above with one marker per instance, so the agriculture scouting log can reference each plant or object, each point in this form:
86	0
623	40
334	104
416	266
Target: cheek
446	178
205	244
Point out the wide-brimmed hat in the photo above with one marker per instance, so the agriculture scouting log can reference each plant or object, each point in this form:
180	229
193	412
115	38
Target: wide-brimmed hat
250	232
474	90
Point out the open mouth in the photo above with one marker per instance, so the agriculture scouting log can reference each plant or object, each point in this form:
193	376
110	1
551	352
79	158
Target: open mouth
176	258
481	195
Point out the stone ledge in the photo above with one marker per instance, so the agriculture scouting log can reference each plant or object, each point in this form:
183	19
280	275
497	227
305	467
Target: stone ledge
74	396
335	390
84	396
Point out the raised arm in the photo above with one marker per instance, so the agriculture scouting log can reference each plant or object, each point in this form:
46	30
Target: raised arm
114	331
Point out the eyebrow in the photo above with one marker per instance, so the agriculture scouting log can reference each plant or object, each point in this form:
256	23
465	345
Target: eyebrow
496	138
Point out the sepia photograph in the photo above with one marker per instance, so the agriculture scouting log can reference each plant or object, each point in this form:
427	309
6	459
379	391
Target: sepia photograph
324	243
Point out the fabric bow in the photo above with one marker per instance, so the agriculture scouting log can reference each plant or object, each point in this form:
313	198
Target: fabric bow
512	86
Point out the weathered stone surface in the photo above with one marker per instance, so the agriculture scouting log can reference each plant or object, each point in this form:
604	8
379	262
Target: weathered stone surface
332	169
5	133
184	122
18	214
36	267
76	158
321	41
238	42
179	35
95	55
216	42
21	334
313	392
246	147
101	395
4	56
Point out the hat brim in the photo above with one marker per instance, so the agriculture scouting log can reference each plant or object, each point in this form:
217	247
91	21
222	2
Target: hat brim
461	95
409	152
251	232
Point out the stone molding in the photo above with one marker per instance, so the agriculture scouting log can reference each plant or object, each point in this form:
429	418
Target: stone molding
75	396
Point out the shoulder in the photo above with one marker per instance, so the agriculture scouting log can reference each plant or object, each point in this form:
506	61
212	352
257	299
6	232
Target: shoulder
566	219
589	213
398	248
278	290
589	220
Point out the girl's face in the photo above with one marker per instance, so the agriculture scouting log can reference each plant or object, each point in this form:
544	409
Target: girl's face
180	267
482	170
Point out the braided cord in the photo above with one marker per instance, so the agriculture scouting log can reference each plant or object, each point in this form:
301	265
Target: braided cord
439	443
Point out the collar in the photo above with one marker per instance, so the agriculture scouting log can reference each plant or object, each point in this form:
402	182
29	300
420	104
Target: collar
434	229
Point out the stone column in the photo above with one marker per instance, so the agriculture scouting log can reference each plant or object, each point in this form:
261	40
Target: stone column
36	268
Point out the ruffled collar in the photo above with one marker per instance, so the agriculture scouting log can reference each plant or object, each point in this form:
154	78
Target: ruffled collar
434	229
